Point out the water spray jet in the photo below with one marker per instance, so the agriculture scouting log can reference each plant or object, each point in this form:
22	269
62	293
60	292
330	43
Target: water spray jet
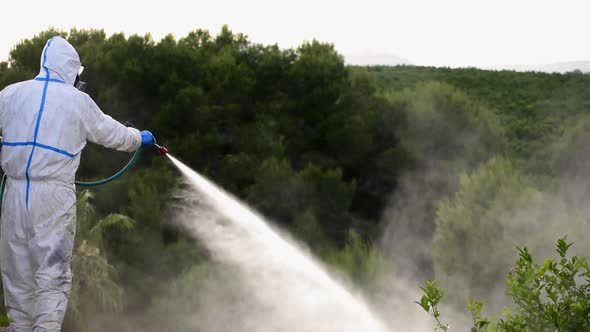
294	288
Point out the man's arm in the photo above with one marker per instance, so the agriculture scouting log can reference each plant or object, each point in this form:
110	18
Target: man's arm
2	108
104	130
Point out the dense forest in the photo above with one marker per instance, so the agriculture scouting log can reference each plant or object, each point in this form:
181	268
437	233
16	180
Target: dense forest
413	172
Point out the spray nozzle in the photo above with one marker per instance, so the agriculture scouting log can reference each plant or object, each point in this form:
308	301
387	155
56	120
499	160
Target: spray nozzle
163	151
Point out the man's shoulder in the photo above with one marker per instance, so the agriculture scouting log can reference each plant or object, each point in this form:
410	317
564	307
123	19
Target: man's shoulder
11	89
14	86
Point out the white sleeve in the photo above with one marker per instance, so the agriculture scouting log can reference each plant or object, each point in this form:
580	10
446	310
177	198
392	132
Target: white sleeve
104	130
2	108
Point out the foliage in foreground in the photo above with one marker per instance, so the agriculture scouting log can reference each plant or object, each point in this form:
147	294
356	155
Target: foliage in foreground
94	286
552	296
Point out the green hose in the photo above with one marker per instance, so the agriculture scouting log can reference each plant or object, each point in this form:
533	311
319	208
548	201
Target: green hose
114	177
86	184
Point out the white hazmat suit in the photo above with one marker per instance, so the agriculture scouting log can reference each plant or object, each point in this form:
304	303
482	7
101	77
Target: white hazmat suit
45	123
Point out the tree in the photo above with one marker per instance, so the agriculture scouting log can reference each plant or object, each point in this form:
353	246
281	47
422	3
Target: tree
361	261
442	133
473	235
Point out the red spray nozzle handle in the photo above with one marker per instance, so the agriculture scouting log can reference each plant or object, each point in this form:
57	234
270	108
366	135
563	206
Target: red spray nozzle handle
163	151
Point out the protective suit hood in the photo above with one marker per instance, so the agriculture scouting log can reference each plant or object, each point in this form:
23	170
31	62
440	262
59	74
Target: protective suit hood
59	60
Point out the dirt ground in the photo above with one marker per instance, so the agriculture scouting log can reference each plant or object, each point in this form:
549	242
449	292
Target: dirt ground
4	329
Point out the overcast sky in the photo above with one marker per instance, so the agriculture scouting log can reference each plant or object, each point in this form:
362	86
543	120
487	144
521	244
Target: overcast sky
425	32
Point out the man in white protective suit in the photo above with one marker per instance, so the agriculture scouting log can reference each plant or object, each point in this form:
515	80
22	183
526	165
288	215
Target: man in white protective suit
45	123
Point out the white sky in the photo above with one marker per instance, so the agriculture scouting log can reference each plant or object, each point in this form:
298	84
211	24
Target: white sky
426	32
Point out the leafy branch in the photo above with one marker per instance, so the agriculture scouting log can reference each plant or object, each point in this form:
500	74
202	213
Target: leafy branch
552	297
429	302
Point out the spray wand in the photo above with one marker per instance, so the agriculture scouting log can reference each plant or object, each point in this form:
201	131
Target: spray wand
162	150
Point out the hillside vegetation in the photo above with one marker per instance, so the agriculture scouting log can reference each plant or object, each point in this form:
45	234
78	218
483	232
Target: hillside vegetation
354	161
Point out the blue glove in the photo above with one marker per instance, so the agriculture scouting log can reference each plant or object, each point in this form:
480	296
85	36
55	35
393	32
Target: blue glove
147	138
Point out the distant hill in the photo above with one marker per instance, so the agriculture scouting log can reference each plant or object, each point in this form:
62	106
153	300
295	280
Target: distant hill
510	91
532	106
374	59
559	67
388	59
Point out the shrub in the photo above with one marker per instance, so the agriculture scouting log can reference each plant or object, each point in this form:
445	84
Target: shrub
552	296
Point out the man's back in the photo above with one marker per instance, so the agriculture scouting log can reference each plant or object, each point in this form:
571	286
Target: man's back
52	125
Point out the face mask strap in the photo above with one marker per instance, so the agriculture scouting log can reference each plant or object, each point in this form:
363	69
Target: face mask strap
80	85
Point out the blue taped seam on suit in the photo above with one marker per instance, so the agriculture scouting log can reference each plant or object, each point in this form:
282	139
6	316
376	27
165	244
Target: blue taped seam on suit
41	107
43	79
47	147
17	143
42	146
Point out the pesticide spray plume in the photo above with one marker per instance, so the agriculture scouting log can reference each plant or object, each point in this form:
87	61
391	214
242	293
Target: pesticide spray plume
292	288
